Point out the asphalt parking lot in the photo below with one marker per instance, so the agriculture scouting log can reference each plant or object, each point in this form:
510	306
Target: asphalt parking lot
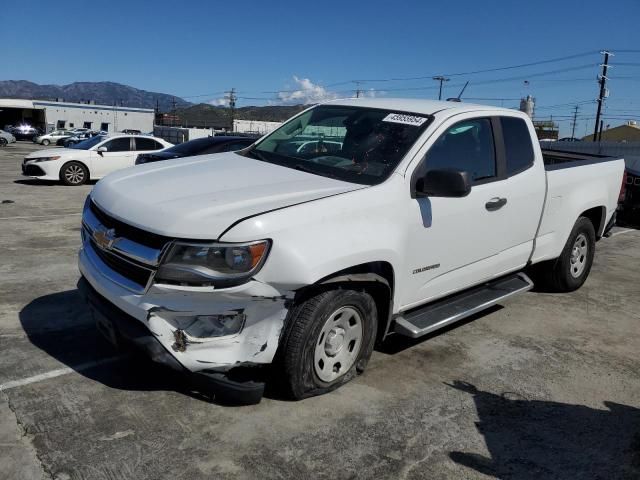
546	387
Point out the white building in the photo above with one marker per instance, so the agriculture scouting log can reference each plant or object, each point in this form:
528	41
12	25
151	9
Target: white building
49	115
255	126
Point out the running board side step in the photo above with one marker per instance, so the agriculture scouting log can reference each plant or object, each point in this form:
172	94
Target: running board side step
446	311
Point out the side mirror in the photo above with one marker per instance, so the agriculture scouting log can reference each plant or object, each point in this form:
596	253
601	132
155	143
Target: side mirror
101	150
443	183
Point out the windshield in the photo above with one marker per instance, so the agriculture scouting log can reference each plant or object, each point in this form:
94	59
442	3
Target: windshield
354	144
88	143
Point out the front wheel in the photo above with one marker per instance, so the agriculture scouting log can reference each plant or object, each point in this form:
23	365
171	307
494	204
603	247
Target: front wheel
45	142
3	142
328	340
570	270
74	173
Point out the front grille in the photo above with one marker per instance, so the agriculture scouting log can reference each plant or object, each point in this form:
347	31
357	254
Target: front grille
132	233
33	171
136	273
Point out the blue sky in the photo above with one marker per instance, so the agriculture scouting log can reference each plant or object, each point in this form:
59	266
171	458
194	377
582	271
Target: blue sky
292	52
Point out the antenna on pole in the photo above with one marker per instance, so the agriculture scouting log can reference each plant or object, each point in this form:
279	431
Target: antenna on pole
231	97
574	122
440	79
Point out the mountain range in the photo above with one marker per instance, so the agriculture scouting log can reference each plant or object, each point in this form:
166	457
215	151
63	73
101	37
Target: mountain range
110	93
103	93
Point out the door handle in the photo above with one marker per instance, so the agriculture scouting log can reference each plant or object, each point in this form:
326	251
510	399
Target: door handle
495	203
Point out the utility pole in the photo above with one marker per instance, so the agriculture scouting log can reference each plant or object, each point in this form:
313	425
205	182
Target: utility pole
358	91
440	79
231	97
173	111
602	80
574	122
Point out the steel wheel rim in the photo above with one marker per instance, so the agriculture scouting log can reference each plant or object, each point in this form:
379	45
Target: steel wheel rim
74	174
338	345
579	252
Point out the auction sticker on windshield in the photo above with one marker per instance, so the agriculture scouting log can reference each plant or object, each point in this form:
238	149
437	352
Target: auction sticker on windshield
405	119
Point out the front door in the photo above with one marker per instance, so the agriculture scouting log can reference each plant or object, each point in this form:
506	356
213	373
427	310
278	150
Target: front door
119	155
454	243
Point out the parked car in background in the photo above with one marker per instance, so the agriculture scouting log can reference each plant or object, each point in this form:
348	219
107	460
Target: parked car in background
90	159
569	139
6	138
131	131
25	132
52	137
199	146
77	138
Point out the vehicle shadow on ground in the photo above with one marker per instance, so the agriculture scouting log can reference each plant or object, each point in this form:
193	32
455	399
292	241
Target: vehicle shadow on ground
47	183
532	439
61	325
37	183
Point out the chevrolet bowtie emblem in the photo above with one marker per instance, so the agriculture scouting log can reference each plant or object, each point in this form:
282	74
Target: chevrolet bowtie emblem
104	238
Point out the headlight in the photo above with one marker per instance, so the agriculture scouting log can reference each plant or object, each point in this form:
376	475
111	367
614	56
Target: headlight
42	159
217	264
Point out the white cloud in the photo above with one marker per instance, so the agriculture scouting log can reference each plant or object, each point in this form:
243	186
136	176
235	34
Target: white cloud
218	102
307	92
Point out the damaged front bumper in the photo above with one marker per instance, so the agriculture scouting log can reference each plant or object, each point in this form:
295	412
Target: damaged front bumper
171	318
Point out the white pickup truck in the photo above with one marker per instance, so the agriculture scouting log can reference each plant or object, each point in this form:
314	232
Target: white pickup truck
403	217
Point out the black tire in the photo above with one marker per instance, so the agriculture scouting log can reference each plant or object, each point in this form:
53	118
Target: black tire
561	274
74	174
45	142
3	142
303	330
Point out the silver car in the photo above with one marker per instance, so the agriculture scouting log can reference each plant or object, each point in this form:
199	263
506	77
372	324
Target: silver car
6	138
53	137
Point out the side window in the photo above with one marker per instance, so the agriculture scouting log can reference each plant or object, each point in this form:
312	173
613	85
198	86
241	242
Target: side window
468	146
121	144
147	144
517	144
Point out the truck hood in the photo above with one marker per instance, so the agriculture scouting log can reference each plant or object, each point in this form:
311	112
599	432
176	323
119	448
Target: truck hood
202	196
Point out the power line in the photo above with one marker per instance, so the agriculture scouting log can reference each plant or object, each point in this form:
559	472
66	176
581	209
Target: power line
487	70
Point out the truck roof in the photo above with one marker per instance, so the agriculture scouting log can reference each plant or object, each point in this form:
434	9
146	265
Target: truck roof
415	105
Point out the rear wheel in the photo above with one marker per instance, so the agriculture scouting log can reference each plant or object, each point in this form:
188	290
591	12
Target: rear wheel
45	142
328	341
74	173
570	270
3	142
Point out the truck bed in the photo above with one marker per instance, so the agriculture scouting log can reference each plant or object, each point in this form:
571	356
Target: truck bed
554	159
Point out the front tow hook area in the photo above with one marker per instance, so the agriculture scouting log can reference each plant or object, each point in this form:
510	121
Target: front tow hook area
127	333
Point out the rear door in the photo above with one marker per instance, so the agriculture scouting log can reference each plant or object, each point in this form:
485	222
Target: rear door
454	243
119	155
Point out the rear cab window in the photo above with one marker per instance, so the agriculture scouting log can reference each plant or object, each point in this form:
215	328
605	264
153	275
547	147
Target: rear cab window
517	144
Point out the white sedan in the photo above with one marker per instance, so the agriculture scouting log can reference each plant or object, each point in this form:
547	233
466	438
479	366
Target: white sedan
91	159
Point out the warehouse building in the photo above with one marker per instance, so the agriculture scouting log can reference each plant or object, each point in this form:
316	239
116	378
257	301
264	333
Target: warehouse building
629	132
50	115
